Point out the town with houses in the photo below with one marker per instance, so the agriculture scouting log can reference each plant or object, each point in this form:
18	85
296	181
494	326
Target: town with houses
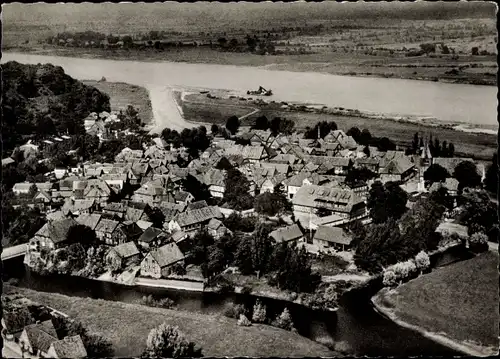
180	180
311	172
147	233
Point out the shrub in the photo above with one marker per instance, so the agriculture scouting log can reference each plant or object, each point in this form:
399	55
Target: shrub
168	341
234	310
422	261
259	312
284	320
402	270
243	321
390	278
478	242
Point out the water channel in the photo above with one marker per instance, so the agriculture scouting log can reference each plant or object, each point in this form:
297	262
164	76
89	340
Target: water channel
356	324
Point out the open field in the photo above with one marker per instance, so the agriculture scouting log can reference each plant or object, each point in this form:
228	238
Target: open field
459	301
199	108
121	95
128	325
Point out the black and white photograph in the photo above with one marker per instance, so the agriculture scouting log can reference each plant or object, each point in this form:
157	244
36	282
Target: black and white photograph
249	179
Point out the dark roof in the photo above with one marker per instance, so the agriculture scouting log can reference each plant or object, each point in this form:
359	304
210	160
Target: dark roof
286	234
130	229
57	231
197	205
115	207
41	335
12	322
106	225
198	216
150	234
182	195
332	235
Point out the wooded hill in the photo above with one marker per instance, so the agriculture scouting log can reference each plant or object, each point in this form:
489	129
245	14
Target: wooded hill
41	100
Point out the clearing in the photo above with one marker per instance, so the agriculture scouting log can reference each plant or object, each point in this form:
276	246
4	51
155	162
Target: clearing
459	301
128	325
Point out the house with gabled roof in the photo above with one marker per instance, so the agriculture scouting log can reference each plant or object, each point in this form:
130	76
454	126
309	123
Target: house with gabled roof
105	229
151	193
98	190
37	338
183	197
343	202
294	183
136	211
89	220
215	180
216	228
116	209
369	163
287	234
399	169
191	221
52	235
42	197
327	237
68	347
197	205
22	188
123	256
75	207
160	262
152	237
126	232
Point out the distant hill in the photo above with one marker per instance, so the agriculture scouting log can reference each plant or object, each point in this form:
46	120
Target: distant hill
41	100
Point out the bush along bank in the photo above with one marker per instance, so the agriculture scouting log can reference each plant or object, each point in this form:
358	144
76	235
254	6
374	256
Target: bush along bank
259	315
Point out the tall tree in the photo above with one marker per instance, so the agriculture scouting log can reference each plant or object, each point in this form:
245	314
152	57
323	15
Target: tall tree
386	201
436	173
466	175
261	123
237	193
233	124
415	142
491	180
354	132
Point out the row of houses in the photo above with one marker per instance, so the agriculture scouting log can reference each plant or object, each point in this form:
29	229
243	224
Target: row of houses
41	339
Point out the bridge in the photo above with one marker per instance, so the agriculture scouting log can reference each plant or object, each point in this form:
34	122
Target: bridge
15	251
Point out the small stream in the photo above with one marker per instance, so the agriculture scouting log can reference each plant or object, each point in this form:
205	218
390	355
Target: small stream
355	328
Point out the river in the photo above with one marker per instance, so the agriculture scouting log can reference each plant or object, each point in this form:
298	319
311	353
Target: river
472	105
356	324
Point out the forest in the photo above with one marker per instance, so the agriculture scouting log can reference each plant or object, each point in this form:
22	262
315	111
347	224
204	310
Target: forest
41	100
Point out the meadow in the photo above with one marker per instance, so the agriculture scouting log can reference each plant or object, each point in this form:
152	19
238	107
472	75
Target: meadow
459	301
128	325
